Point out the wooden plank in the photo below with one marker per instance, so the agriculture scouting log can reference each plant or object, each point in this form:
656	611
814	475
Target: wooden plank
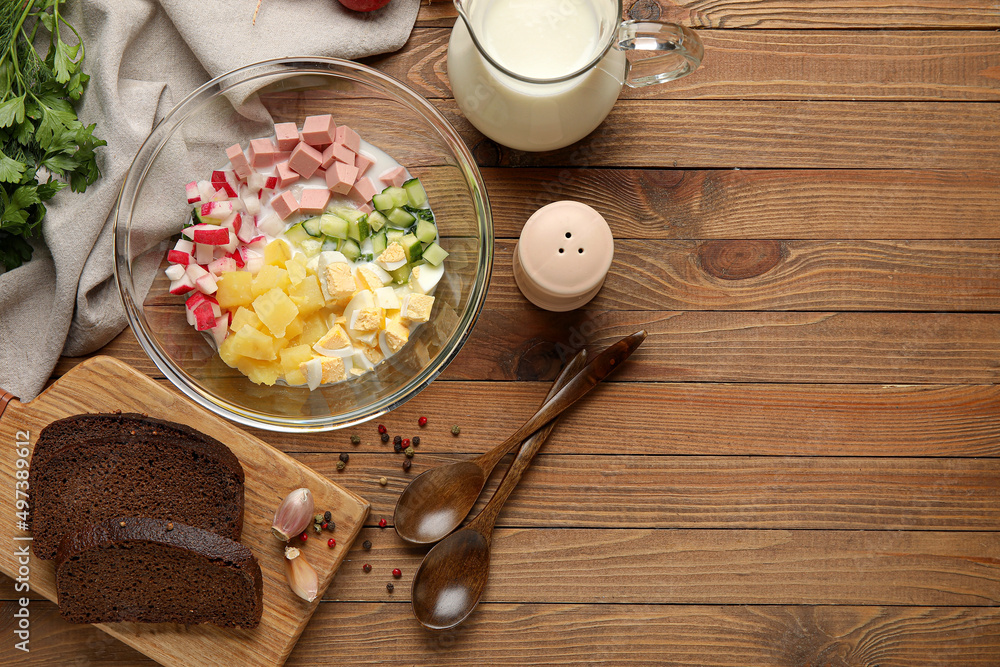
753	64
529	344
573	634
627	491
783	14
688	419
883	348
785	275
760	204
569	565
769	134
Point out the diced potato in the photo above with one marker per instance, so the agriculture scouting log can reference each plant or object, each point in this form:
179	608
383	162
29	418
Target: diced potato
293	357
248	342
307	295
314	328
260	372
245	316
294	327
275	310
296	268
277	252
268	278
295	378
234	289
228	351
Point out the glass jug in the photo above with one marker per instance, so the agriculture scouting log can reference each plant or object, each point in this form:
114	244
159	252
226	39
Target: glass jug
537	75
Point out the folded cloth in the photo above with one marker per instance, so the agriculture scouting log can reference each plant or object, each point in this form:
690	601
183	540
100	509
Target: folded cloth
144	56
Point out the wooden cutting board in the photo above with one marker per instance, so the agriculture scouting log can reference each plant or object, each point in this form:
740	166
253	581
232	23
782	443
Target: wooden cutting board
103	384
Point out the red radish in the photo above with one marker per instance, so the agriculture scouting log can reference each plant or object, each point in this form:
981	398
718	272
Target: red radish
254	264
272	225
178	257
182	286
204	320
239	257
221	265
221	329
195	271
205	190
217	210
192	192
175	271
364	5
203	254
252	205
257	242
220	194
247	231
255	182
217	236
206	284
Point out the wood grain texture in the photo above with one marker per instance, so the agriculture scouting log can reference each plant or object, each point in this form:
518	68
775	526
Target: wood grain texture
779	14
627	491
815	204
572	634
772	134
786	275
570	565
103	385
753	64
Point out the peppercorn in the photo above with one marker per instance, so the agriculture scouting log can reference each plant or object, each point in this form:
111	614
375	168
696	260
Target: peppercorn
355	439
317	527
341	465
318	518
405	443
406	464
422	421
170	526
397	447
397	573
381	428
324	525
331	526
397	439
327	516
389	587
409	452
382	523
455	430
385	437
304	537
367	544
331	543
383	481
345	457
416	440
367	568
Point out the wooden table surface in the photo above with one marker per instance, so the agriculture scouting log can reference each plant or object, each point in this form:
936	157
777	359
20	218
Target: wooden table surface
800	465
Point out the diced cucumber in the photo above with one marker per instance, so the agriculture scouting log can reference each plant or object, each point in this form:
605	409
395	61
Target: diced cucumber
297	234
377	221
330	243
350	250
311	247
426	231
401	275
379	243
435	254
400	218
411	246
358	229
333	225
394	235
383	201
199	220
349	214
312	227
420	213
415	192
399	196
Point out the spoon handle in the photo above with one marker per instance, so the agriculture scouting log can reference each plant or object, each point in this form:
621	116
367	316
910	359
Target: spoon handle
489	460
484	521
599	368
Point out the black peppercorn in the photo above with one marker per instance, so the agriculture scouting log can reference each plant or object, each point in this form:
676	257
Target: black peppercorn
406	464
397	447
327	516
345	457
367	544
355	439
397	439
385	437
416	440
389	587
331	526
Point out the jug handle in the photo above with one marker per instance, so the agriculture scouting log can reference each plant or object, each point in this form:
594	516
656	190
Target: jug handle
658	52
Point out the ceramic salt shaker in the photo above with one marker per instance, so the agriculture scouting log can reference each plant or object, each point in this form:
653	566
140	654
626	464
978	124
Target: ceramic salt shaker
563	256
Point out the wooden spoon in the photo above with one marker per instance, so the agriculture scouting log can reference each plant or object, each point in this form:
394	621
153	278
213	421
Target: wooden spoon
452	576
435	502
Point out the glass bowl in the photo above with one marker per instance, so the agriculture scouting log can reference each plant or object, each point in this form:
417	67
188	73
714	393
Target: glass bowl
190	142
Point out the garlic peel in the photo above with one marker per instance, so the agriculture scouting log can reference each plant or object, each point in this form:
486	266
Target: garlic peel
302	577
293	515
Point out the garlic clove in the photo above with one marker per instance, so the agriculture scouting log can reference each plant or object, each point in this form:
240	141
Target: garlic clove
302	578
293	515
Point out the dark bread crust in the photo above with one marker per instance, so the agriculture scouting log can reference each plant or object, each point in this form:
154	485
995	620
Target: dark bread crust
154	571
120	425
158	476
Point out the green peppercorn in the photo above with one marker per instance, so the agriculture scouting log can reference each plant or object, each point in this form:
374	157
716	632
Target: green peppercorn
355	439
455	430
367	544
318	518
409	452
345	457
341	465
318	528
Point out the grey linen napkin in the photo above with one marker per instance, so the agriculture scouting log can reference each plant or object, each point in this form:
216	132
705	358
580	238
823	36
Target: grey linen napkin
144	56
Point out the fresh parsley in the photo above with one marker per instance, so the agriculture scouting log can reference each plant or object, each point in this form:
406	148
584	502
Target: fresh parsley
40	134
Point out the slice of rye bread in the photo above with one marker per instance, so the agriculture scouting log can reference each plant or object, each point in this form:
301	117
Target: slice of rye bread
153	571
164	476
114	424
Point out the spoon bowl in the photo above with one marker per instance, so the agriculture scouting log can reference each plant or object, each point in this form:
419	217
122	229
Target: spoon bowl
437	500
451	579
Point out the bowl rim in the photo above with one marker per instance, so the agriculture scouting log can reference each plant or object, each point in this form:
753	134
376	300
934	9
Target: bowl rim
165	128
